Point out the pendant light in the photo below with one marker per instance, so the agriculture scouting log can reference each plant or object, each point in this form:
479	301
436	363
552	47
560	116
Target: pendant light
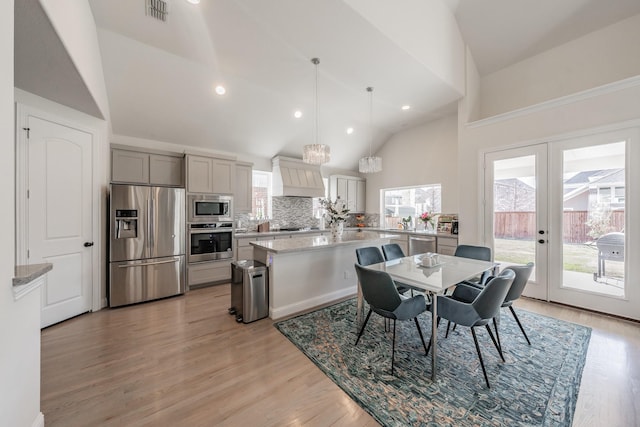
316	153
370	164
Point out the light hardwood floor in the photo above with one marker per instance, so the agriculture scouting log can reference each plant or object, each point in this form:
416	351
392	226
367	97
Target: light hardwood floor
184	361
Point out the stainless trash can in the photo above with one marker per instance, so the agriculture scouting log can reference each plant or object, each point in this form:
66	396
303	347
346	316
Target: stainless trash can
249	290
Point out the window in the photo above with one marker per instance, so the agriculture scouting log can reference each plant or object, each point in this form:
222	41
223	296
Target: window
618	195
604	195
261	195
400	203
318	210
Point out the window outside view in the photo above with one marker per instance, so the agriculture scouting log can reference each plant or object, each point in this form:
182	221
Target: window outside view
261	198
593	216
411	202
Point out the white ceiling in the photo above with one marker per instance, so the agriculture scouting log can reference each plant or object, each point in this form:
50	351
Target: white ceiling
160	76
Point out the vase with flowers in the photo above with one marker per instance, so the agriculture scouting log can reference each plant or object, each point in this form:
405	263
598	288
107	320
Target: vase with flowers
427	219
336	213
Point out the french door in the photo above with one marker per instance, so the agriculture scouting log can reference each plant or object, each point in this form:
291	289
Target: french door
564	206
516	220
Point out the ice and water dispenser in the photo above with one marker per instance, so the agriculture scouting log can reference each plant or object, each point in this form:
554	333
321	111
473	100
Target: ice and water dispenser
126	225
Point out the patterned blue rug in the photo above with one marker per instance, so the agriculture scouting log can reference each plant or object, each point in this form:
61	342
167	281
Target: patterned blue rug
537	386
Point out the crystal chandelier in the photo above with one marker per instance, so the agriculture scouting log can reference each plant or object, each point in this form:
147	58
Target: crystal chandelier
316	153
370	164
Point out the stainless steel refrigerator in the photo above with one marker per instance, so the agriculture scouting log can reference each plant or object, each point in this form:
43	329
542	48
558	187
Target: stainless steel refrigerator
147	243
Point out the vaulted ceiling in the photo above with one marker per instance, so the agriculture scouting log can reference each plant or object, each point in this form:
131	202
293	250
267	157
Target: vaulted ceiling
160	75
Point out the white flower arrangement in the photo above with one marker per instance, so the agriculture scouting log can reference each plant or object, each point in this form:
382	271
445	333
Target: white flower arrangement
336	212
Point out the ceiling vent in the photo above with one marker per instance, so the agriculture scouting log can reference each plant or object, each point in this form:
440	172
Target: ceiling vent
157	9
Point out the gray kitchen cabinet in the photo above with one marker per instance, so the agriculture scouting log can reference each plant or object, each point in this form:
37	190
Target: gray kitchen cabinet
137	167
129	167
244	184
166	170
351	189
447	245
208	273
210	175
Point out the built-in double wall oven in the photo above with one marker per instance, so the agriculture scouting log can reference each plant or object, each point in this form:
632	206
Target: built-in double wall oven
210	241
210	227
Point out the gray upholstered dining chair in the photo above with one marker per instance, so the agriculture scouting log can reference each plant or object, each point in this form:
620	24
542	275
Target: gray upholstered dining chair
522	274
381	294
478	312
481	253
394	251
372	255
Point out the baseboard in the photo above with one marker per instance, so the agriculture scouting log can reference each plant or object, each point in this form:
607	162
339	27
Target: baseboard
314	302
39	421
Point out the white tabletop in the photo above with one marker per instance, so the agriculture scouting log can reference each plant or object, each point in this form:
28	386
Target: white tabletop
448	272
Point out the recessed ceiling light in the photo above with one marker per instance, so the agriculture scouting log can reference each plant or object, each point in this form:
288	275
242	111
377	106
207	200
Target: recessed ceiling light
406	107
297	114
194	1
349	131
220	90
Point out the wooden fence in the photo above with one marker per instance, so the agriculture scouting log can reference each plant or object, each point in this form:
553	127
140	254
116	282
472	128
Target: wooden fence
522	225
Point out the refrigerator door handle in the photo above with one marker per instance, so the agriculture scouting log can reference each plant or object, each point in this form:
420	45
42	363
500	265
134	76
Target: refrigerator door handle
150	221
149	263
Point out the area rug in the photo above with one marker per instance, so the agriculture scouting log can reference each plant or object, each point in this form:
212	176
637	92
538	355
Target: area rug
537	386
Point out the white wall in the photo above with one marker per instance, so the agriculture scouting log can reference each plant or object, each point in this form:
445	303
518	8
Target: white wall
604	56
74	23
19	320
425	154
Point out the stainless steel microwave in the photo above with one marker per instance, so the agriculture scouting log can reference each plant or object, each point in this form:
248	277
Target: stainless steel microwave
210	208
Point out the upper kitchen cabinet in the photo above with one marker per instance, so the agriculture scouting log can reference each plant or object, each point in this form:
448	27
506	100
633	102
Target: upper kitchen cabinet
244	185
210	175
351	189
136	167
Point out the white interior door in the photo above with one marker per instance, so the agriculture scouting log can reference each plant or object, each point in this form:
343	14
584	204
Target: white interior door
60	216
516	211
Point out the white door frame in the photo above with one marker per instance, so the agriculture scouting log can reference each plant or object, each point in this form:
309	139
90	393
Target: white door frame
630	306
23	112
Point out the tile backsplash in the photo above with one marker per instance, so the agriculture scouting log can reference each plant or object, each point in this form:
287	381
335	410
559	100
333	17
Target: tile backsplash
293	212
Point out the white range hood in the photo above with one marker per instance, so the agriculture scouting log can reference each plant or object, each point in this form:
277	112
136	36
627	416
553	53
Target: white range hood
293	177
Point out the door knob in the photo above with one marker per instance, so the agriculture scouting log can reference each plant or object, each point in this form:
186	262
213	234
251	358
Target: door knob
88	244
541	241
540	231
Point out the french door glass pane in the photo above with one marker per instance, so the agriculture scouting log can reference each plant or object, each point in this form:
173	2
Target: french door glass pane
593	218
514	217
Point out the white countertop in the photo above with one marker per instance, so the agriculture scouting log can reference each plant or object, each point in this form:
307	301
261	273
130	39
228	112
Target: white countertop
254	234
306	243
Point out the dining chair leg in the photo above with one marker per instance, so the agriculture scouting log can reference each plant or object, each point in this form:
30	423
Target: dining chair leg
421	336
393	345
495	343
363	326
484	371
448	326
515	316
495	326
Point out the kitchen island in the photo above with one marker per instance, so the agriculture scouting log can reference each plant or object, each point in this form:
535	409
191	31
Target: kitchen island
307	272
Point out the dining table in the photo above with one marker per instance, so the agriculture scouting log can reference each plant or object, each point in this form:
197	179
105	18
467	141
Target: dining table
433	280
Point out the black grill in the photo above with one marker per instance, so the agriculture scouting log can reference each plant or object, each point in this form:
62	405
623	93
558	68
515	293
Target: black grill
610	248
